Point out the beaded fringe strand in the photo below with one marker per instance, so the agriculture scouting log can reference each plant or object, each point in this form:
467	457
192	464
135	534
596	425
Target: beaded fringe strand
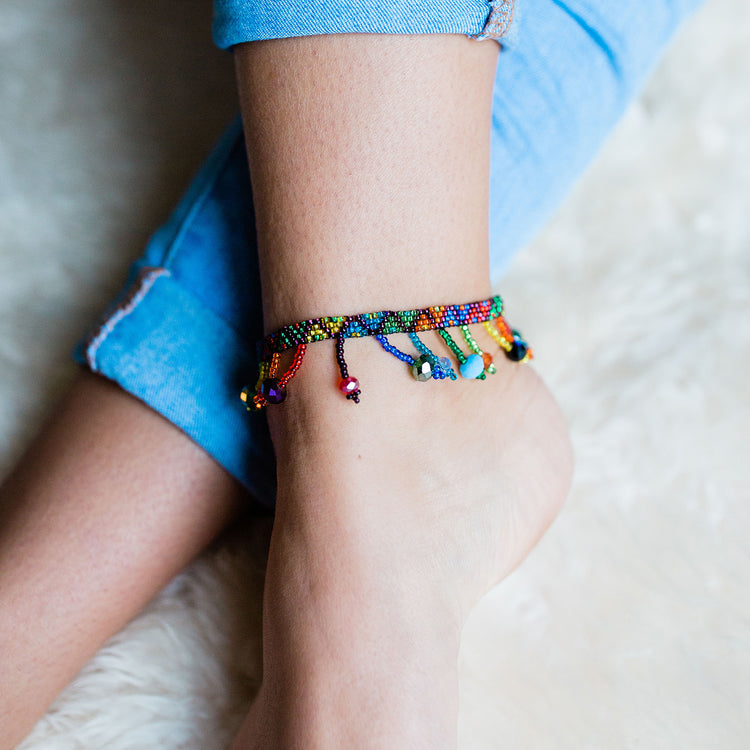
426	365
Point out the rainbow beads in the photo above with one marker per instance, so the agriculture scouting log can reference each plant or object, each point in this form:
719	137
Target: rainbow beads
424	366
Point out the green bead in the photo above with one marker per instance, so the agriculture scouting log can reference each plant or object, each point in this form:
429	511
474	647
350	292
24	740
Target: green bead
423	368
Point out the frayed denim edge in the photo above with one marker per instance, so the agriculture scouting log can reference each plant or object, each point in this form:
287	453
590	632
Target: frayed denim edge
146	279
498	21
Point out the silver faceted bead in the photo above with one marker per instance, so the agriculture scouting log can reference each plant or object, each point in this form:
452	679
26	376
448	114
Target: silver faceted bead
423	368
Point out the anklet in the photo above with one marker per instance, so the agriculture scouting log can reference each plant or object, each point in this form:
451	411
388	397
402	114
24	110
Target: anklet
270	388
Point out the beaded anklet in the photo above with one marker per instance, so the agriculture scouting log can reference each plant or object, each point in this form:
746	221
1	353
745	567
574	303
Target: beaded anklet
271	388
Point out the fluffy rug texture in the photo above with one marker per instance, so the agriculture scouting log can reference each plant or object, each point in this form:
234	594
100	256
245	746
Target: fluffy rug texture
629	625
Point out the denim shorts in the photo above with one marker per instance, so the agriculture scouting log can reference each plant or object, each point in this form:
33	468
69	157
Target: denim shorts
181	335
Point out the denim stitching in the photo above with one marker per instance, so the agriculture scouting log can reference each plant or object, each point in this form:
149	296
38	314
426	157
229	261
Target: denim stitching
146	279
498	21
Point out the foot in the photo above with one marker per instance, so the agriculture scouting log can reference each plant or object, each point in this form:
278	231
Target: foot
394	517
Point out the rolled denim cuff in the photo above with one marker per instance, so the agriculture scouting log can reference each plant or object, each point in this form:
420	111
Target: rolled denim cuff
238	21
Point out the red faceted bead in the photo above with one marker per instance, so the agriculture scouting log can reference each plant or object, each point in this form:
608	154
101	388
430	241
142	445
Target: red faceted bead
348	385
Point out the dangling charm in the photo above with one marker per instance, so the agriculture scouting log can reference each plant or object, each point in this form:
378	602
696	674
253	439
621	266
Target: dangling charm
447	369
487	366
272	391
426	365
519	350
472	368
440	367
511	342
424	368
348	385
254	403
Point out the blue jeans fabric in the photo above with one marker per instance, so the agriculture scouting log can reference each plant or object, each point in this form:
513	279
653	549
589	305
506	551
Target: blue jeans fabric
241	21
182	334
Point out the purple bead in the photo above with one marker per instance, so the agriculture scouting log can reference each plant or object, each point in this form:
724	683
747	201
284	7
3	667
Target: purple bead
272	391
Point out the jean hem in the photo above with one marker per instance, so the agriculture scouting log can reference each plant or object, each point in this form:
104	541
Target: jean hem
153	344
235	21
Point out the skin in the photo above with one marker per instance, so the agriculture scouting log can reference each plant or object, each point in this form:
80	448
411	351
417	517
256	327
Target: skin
109	503
369	156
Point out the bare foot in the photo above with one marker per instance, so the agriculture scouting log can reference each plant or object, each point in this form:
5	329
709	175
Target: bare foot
394	517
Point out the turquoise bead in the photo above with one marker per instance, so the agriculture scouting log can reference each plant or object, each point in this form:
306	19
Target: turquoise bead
473	367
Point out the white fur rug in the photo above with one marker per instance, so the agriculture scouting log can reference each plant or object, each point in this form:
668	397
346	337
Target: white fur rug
629	626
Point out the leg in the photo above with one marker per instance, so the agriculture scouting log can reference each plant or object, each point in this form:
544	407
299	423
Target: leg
109	503
369	161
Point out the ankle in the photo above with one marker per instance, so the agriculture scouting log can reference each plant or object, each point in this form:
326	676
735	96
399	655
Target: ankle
352	657
401	705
